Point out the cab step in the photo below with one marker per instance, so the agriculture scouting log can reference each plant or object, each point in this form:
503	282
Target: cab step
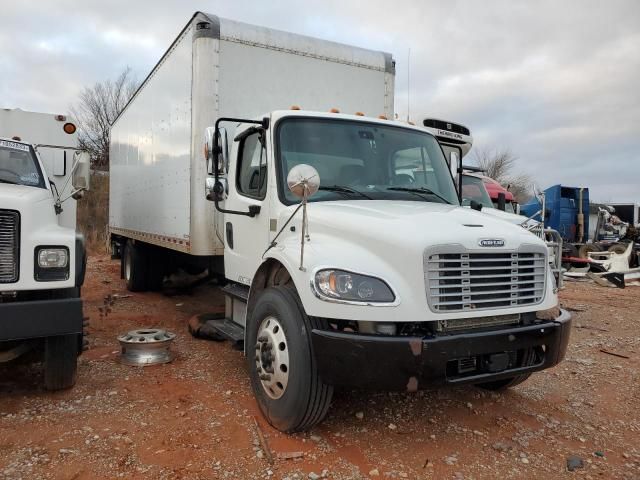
215	326
229	331
236	290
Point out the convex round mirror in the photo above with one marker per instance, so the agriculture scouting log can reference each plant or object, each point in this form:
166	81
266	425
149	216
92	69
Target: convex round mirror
303	177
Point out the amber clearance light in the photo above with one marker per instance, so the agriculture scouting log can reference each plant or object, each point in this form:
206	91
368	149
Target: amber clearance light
69	128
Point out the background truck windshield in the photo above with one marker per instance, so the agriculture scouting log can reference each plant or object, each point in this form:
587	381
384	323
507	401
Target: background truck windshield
18	165
473	189
358	160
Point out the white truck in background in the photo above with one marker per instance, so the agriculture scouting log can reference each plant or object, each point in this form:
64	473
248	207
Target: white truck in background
42	256
456	142
377	279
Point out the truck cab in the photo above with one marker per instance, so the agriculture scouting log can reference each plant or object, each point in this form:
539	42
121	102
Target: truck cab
42	259
359	266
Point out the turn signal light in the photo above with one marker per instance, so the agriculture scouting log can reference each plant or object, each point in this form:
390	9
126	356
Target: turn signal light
69	128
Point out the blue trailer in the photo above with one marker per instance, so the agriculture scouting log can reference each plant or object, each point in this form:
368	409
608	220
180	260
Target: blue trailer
566	210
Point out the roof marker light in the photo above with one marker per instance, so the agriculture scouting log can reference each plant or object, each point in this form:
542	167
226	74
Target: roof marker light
294	107
69	128
334	110
359	114
383	117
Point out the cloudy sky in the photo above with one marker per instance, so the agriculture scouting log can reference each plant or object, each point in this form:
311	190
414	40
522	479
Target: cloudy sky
557	83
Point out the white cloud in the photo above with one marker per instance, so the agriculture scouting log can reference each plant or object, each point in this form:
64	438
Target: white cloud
556	82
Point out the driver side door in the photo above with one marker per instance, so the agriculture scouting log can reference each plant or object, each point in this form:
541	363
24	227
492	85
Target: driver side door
246	238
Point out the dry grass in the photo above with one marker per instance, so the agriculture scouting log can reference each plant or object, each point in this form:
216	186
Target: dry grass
93	214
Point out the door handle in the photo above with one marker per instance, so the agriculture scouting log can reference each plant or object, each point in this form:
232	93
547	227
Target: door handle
229	234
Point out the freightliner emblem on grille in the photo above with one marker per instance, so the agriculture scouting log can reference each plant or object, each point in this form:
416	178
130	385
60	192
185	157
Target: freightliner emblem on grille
491	242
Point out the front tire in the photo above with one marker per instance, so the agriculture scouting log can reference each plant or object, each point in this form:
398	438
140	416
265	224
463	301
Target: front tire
60	362
284	378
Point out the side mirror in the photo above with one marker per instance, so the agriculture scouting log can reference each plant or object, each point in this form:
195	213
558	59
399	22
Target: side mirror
475	205
502	201
215	191
303	181
80	175
216	150
454	164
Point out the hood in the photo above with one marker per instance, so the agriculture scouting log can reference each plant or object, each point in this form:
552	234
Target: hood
412	224
17	197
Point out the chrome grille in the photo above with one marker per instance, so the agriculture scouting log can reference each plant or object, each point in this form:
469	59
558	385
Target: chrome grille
9	246
469	281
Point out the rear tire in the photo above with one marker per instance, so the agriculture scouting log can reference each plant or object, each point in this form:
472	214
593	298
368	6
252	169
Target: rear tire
135	267
301	399
60	362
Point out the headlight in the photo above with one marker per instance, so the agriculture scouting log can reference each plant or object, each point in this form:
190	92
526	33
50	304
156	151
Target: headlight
352	287
52	263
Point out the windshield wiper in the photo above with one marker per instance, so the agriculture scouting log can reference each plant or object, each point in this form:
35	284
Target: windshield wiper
420	191
343	189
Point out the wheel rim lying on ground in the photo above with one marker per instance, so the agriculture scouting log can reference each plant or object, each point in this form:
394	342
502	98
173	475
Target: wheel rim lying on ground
146	347
272	357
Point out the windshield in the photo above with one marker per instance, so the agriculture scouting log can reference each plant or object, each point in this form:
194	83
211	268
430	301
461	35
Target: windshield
473	189
358	160
18	165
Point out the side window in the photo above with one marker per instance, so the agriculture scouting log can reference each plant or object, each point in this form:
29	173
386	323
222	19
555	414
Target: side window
252	168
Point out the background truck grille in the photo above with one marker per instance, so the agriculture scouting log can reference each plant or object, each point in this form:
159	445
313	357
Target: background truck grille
481	281
9	246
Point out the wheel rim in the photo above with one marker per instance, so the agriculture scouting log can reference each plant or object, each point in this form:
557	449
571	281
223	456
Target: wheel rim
272	357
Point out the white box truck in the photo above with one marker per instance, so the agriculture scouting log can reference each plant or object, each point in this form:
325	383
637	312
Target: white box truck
379	279
42	256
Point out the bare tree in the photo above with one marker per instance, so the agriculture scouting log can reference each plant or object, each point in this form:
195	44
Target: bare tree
500	164
97	107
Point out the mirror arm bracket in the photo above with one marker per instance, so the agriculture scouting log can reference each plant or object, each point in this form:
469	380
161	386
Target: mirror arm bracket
219	188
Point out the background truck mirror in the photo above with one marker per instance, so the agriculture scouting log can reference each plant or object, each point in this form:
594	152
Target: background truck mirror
502	201
81	166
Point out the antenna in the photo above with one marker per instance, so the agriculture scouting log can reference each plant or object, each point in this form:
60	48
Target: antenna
408	84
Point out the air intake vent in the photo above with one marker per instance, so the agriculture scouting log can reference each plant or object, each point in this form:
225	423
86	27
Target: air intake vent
458	282
452	127
9	246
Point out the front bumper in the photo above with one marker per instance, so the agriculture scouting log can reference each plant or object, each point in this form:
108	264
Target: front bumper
40	318
410	363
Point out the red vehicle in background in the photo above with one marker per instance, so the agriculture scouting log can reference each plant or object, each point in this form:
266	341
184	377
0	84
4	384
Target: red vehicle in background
494	189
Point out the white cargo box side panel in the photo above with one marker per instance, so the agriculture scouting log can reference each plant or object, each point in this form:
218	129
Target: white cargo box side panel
263	70
150	156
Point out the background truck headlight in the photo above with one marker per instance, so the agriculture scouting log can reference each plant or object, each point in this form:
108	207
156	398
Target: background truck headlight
351	287
52	263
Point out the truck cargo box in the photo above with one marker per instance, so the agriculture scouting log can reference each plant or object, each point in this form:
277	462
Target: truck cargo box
218	67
